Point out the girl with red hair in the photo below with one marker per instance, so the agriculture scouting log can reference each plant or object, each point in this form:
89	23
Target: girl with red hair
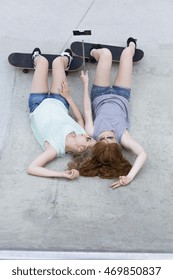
110	108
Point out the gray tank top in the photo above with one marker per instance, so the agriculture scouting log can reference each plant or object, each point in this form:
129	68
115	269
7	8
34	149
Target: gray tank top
111	112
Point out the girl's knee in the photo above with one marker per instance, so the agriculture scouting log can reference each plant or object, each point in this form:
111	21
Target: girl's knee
128	52
106	52
43	61
57	60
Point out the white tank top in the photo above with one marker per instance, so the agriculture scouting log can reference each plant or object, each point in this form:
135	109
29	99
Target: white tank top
51	122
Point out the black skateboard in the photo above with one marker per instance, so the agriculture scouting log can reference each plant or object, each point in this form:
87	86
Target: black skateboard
23	61
77	49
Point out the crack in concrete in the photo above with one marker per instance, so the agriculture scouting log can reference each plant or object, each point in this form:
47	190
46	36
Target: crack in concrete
7	129
88	9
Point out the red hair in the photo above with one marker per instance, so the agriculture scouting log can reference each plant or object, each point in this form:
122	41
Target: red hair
103	160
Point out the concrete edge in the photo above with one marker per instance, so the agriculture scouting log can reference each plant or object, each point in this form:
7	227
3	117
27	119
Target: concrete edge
52	255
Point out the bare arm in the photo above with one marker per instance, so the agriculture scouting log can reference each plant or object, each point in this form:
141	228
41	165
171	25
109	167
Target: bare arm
129	143
37	166
65	92
89	126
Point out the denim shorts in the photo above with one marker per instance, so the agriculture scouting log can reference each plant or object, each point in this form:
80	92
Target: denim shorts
36	98
99	90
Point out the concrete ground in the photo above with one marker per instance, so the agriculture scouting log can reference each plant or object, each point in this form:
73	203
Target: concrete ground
85	214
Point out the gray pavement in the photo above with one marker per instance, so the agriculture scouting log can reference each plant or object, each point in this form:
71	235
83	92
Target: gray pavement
86	215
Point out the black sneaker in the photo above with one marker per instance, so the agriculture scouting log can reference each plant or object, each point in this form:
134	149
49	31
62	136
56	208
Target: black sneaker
69	55
130	39
36	52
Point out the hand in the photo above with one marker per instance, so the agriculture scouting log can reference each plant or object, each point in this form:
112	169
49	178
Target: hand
123	181
70	174
64	91
84	77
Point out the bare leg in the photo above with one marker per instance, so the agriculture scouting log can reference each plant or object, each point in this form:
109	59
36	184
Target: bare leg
58	73
40	79
104	58
124	75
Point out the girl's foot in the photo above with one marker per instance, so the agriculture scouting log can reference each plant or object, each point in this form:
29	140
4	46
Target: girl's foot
130	39
69	55
36	52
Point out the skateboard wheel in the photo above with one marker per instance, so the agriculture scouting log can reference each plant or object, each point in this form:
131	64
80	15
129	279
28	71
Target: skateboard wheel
25	71
86	59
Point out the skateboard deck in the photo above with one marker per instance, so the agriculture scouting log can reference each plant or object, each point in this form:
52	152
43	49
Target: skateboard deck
116	51
23	61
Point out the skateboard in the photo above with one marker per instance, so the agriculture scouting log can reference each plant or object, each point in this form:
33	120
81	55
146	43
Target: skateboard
23	61
77	49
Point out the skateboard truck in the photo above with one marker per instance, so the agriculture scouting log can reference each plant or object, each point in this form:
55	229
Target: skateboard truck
79	33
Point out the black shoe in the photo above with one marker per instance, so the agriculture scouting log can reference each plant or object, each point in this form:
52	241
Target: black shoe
96	46
36	52
130	39
69	55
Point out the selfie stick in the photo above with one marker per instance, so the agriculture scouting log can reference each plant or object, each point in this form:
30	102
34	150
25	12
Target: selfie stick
82	32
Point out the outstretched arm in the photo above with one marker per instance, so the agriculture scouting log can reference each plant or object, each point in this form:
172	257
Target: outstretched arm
37	166
65	92
89	126
129	143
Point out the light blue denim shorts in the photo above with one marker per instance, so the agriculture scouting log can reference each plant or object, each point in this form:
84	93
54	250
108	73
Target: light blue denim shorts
99	90
36	98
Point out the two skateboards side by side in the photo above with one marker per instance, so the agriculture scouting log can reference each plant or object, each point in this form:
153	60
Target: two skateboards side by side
80	50
77	49
23	61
